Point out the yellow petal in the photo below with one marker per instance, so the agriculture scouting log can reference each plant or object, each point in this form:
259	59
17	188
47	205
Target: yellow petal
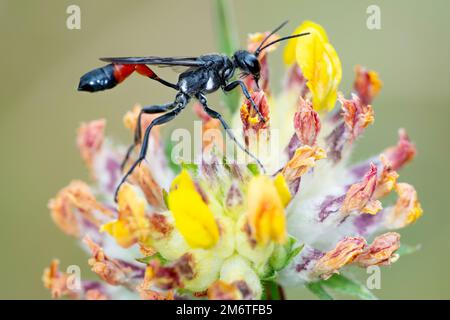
376	83
119	231
318	62
193	218
283	189
266	211
372	207
407	209
182	181
335	63
132	225
306	26
336	77
311	57
129	203
367	84
387	180
304	158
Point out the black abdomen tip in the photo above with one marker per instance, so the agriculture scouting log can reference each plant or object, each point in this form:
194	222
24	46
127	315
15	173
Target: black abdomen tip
98	79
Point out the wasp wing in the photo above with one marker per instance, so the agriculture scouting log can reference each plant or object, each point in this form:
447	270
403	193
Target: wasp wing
160	61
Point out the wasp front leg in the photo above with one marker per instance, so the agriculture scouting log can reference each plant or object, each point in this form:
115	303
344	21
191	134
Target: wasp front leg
214	114
230	86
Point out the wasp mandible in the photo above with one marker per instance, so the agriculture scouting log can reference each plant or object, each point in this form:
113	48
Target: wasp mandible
205	74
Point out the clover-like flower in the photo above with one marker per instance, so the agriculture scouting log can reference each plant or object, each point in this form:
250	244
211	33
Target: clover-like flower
224	229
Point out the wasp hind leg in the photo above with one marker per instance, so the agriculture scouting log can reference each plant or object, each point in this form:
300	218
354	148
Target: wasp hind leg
180	103
214	114
137	132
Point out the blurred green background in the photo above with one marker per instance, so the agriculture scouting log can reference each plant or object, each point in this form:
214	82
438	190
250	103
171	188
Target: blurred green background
41	62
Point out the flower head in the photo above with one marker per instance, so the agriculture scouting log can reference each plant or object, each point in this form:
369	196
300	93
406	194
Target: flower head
225	229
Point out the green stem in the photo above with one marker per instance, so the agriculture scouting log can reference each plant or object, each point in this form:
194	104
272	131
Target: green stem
227	41
273	291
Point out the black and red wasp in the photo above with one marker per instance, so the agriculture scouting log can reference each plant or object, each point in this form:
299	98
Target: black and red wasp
205	74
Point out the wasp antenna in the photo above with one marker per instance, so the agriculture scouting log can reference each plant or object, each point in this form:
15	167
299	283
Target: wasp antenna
259	49
282	39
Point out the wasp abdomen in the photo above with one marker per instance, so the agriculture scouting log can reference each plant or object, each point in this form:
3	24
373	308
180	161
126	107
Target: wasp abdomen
98	79
109	76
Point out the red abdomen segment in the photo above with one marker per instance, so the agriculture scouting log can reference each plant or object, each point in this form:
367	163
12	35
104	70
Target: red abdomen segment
122	71
109	76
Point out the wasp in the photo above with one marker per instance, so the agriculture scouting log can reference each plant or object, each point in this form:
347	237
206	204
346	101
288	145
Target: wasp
205	74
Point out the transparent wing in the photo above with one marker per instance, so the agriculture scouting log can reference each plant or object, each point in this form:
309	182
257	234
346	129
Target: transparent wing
160	61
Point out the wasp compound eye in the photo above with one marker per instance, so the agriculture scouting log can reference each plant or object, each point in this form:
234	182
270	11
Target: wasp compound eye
247	62
252	64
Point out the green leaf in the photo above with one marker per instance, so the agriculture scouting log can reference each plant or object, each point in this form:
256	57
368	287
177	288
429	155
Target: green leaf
190	167
283	254
319	291
340	284
165	197
407	249
225	27
270	276
253	168
227	41
168	146
184	291
281	257
293	253
147	259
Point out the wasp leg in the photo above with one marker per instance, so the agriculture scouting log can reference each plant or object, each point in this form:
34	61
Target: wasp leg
236	83
137	131
158	121
150	110
214	114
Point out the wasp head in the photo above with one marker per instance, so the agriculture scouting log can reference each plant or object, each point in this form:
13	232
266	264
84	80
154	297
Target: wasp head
248	63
